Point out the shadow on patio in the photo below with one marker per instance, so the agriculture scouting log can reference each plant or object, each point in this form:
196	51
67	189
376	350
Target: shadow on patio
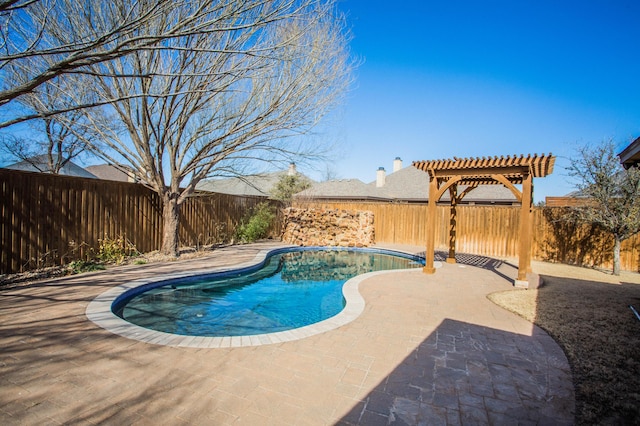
469	374
588	313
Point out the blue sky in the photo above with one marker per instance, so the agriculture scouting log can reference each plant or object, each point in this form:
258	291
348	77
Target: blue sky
466	78
481	78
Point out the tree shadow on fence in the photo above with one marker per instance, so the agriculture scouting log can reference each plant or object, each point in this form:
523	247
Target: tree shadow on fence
572	242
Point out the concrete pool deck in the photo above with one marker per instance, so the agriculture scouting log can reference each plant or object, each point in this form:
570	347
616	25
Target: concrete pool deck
427	349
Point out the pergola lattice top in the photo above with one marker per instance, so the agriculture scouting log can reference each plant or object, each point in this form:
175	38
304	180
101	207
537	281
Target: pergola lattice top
480	170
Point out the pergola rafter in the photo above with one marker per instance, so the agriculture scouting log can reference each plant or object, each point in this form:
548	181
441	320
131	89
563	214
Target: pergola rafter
508	171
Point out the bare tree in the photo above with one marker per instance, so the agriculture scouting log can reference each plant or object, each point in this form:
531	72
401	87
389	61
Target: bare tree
70	36
210	103
612	193
51	144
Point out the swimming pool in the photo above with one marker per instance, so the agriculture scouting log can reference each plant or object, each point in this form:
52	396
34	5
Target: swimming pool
292	292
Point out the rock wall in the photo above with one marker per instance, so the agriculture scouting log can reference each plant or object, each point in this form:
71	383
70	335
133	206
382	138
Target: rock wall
333	228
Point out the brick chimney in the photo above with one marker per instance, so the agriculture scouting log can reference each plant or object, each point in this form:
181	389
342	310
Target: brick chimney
292	169
397	164
380	177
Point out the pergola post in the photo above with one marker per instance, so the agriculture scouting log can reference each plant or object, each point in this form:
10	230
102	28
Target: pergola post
526	231
471	172
453	193
431	226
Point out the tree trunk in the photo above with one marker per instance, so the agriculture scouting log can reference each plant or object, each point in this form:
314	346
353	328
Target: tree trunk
616	256
170	222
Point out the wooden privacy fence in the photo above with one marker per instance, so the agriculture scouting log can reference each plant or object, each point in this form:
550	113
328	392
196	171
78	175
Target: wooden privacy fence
493	231
211	218
50	220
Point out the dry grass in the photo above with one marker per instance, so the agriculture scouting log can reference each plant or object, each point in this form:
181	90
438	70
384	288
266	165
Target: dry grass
587	312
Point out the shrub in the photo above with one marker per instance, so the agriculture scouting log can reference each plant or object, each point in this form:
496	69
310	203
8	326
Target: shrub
116	250
257	225
80	266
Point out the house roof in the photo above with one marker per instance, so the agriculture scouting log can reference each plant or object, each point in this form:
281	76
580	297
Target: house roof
631	154
261	184
40	164
351	189
108	172
406	185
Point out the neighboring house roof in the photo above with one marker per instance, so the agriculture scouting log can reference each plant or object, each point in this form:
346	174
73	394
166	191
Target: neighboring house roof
489	194
405	185
257	185
109	172
630	156
260	185
350	189
40	164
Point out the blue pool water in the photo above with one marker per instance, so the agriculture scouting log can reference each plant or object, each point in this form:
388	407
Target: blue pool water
290	290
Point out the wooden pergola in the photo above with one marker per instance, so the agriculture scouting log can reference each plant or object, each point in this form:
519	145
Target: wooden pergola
470	172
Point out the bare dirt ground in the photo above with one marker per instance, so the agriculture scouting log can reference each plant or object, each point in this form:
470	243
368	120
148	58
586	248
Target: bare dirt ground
587	312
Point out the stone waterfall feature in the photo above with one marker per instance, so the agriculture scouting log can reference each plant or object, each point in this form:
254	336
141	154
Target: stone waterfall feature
334	228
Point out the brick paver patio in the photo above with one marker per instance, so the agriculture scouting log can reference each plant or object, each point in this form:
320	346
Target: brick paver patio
428	349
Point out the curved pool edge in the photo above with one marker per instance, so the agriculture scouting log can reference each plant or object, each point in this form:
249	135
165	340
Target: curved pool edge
100	313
